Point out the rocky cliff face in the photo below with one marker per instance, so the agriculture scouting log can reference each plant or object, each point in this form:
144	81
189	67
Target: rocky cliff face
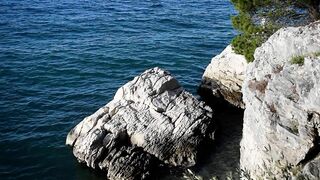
152	120
224	76
281	127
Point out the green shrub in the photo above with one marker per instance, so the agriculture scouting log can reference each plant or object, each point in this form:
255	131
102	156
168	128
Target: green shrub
252	32
246	44
316	54
247	5
297	60
243	23
251	35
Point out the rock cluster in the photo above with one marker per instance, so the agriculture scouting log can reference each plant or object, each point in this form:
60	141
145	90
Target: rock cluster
281	127
224	76
152	120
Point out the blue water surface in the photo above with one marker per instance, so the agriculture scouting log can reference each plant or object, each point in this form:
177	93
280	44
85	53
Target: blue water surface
60	60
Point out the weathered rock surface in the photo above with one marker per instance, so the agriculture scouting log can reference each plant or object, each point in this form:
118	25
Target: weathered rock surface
224	76
281	137
151	120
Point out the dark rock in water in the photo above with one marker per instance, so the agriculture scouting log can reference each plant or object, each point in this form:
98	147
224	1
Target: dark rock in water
151	120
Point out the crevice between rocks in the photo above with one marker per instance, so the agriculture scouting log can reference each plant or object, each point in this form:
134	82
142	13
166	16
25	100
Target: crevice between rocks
314	151
221	157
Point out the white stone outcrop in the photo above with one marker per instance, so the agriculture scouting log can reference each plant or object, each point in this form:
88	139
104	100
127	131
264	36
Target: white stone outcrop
224	76
281	137
152	120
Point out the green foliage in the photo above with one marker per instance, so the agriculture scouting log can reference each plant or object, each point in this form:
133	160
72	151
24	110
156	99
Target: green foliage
317	54
279	12
250	39
243	5
297	60
300	59
243	23
252	34
247	5
246	44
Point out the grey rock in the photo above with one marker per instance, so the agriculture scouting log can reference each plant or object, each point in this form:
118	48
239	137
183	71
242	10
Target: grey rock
152	120
281	121
224	76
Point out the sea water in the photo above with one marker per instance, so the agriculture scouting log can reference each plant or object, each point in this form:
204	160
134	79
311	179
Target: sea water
60	60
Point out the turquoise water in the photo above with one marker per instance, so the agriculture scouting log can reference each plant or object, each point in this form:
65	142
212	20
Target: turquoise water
60	60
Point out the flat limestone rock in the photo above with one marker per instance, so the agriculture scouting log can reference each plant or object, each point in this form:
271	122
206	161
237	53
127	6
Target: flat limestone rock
152	120
224	76
281	127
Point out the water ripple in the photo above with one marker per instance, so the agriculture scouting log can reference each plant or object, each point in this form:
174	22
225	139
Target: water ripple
62	60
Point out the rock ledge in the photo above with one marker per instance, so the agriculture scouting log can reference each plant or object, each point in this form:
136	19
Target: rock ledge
224	76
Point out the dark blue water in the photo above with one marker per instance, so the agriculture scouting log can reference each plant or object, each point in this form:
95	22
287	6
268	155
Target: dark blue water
60	60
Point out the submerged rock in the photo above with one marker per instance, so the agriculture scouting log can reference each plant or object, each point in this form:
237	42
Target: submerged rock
224	76
281	137
152	120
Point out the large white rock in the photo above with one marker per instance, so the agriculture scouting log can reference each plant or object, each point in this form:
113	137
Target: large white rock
224	76
151	120
281	137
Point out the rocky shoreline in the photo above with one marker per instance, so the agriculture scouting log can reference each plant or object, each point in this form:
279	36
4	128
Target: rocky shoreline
153	123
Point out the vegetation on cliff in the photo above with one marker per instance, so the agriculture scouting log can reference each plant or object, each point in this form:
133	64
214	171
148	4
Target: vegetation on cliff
257	20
